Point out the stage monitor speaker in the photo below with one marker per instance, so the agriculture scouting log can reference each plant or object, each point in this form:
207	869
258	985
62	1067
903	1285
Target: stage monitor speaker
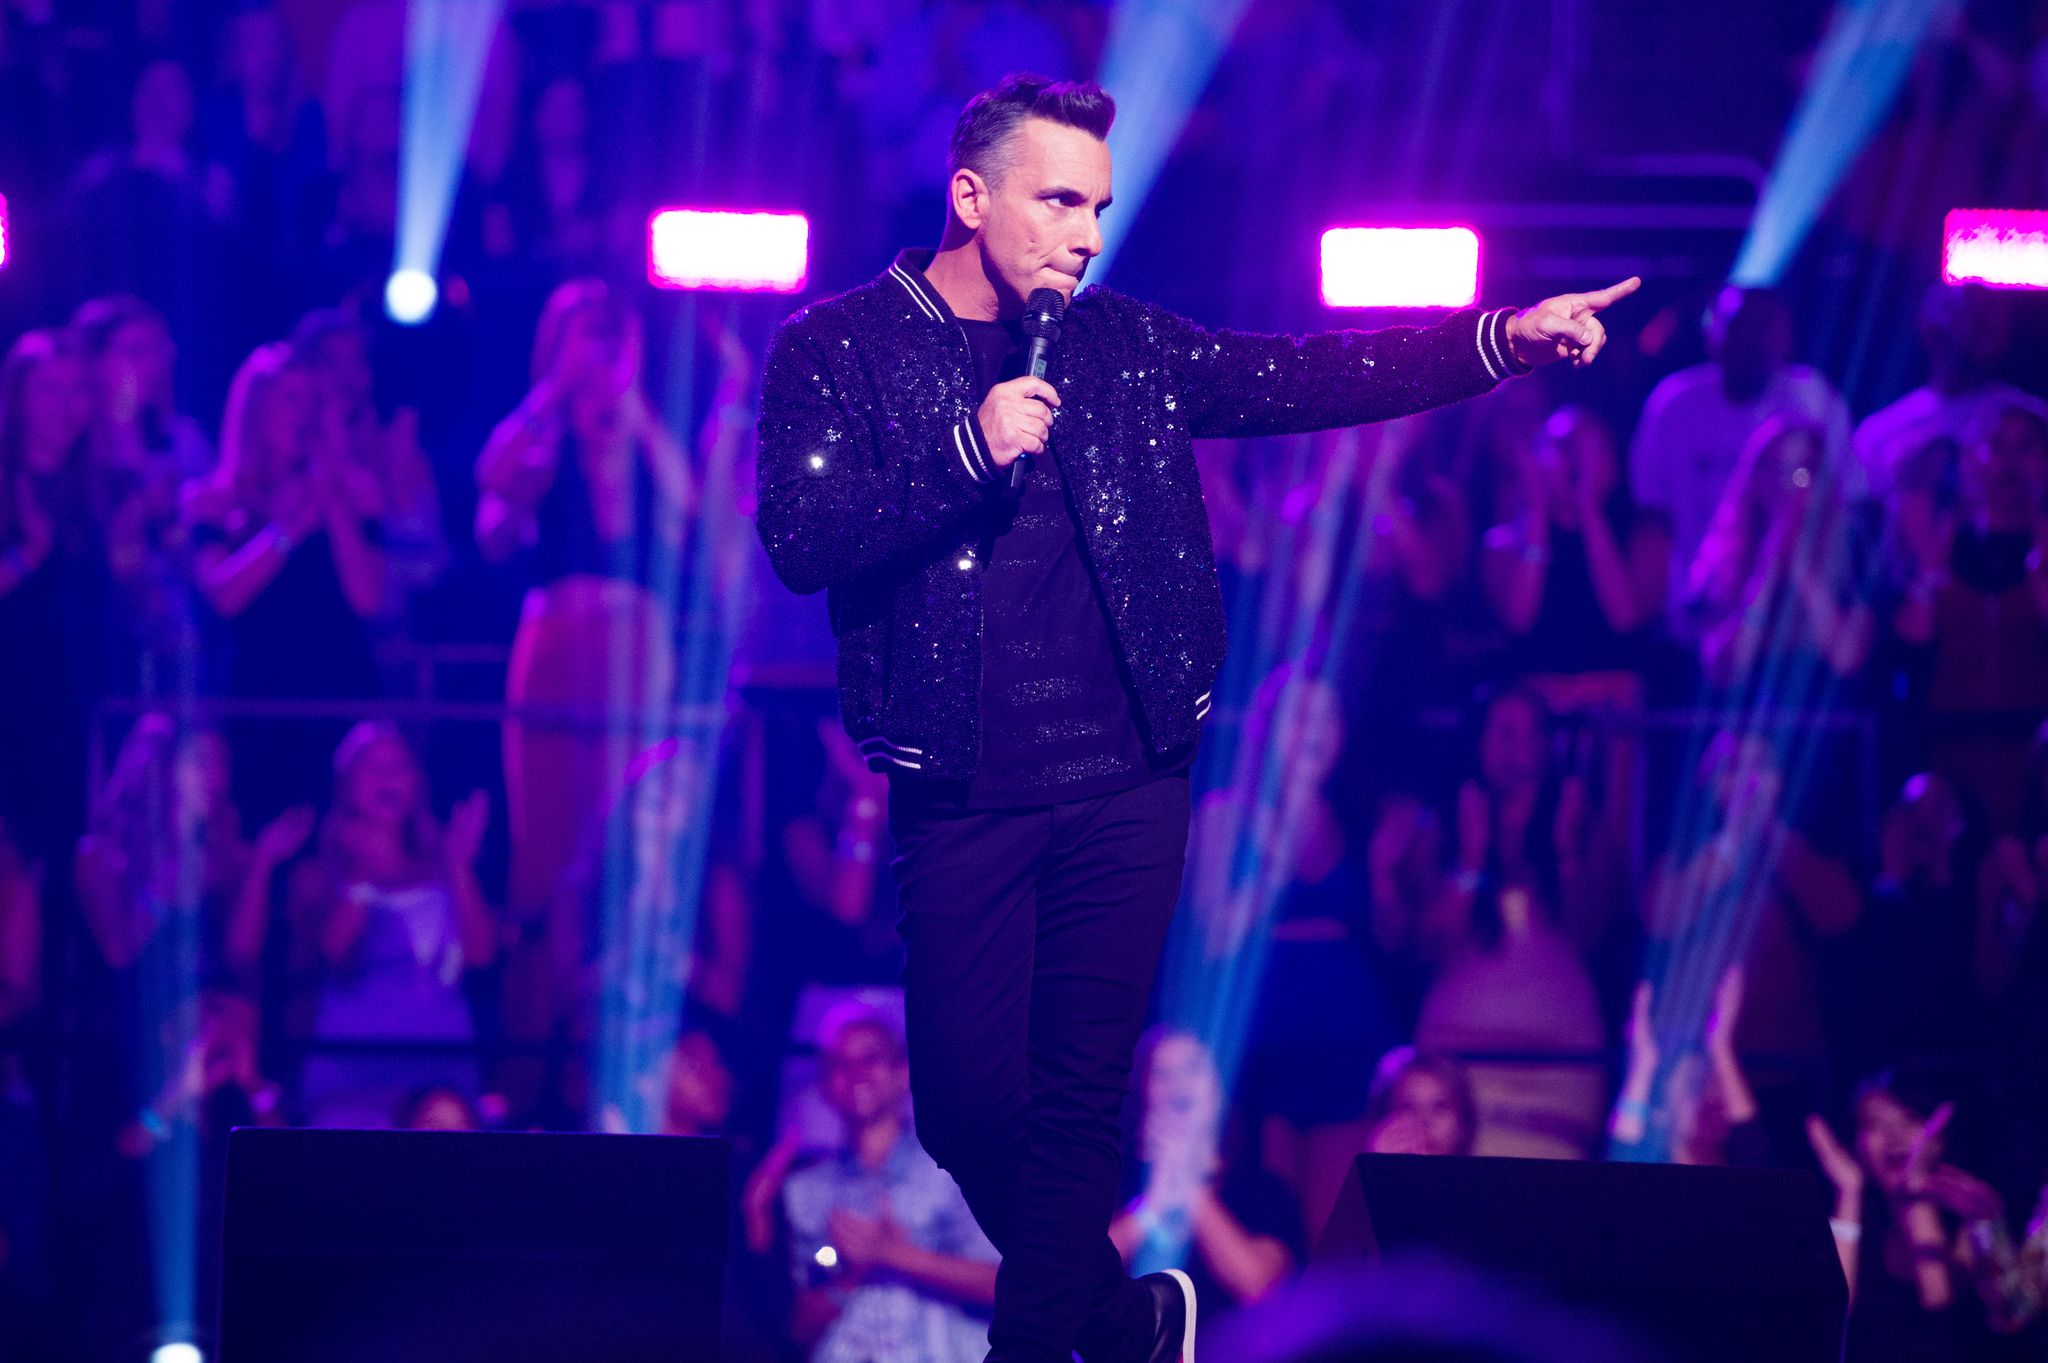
368	1246
1711	1264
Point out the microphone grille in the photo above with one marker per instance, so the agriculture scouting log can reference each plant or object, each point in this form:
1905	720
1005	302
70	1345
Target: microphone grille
1042	313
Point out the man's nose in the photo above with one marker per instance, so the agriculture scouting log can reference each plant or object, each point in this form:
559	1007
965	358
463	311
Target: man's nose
1092	246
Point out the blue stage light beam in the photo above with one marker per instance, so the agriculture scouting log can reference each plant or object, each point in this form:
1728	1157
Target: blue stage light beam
1787	700
656	864
1216	956
447	43
1157	62
1857	73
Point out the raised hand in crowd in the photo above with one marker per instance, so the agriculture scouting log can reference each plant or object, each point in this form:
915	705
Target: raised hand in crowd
1570	483
1187	1199
1421	1103
276	844
219	1060
1845	1173
1944	1230
1774	571
1706	1096
280	482
587	401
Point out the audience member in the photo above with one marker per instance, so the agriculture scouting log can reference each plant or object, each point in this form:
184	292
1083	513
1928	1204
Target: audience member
1512	979
388	924
837	854
1924	1245
1975	607
50	576
697	1097
1909	967
1235	1226
437	1107
1742	884
290	555
267	136
1270	864
654	920
1698	421
145	217
1421	1104
1966	331
336	348
216	1072
143	450
2010	889
584	478
887	1260
170	891
1698	1108
1778	586
1580	575
352	222
552	214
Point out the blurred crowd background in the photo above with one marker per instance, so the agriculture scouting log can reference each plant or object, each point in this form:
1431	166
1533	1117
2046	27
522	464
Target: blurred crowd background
400	726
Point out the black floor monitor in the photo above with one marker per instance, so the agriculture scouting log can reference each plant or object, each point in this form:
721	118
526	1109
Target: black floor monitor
368	1246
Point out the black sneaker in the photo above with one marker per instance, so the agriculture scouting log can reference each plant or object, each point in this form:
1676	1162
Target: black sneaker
1173	1300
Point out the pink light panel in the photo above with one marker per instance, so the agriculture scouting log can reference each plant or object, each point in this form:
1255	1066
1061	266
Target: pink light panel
690	248
2005	248
1400	267
3	229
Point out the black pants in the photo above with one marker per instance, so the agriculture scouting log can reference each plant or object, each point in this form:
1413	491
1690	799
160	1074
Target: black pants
1033	937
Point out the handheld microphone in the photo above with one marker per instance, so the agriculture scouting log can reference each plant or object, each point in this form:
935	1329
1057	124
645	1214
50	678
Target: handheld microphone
1043	311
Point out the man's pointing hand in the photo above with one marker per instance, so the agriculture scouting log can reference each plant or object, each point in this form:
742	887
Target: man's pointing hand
1565	327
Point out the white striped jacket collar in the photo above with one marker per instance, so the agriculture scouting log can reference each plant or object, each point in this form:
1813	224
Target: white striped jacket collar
908	273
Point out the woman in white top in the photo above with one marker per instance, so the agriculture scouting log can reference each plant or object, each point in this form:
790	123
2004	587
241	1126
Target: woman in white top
387	920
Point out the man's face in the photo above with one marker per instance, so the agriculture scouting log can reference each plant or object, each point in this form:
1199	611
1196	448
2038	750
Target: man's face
863	1074
1040	221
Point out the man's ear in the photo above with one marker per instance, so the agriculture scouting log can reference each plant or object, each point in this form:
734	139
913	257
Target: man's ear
969	196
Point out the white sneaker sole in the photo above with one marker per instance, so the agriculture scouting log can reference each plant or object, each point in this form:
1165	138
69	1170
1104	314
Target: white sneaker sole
1187	1296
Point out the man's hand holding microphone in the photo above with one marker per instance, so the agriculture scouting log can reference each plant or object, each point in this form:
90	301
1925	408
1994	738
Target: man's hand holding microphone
1016	416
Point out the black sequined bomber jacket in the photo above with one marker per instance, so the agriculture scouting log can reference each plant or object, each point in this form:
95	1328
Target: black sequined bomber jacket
876	483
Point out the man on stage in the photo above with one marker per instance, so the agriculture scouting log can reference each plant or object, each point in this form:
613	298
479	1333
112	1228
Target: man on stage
1030	656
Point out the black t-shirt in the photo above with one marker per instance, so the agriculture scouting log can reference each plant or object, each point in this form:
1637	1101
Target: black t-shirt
1057	719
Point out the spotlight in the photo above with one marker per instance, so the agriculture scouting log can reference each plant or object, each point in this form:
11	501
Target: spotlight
1400	267
409	296
3	229
177	1352
826	1257
2002	248
689	248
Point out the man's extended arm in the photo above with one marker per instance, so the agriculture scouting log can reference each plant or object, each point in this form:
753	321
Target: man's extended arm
832	505
1236	383
1244	384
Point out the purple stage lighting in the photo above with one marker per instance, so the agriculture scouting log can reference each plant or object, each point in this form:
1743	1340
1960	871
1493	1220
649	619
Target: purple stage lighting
1400	267
691	248
2003	248
3	229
